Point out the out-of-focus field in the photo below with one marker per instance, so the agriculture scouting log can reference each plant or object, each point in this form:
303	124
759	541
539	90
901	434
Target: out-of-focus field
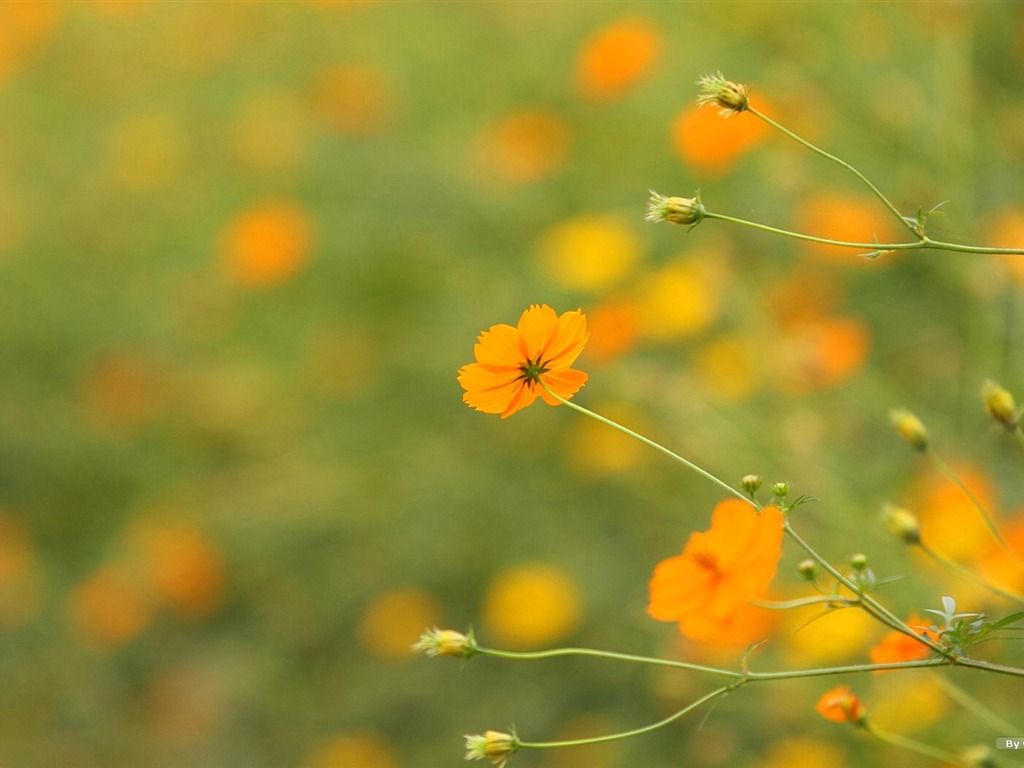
245	247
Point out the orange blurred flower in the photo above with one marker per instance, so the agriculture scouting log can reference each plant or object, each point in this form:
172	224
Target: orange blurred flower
841	705
847	218
710	142
511	361
823	354
268	244
719	571
525	145
183	566
896	646
1005	229
616	58
109	609
354	100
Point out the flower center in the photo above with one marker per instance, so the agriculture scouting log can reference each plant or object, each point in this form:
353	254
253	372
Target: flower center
532	370
706	560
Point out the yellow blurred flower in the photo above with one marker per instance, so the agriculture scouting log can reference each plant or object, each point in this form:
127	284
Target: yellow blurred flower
802	752
617	57
531	605
596	449
357	749
728	367
680	299
841	634
908	703
393	621
267	244
588	252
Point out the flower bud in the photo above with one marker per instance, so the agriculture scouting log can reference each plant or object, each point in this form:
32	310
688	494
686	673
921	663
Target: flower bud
909	428
1000	405
715	89
808	569
750	483
903	523
495	746
446	642
859	561
675	210
780	490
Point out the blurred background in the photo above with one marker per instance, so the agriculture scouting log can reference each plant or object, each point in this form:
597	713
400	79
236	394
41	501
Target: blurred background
245	247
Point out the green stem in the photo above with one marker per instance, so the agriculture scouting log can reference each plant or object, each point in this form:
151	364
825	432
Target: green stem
910	744
843	164
628	734
787	674
647	441
555	652
781	605
868	603
975	707
812	238
924	243
947	471
968	573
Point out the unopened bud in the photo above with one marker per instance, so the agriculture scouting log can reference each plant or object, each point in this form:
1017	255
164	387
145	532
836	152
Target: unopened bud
495	746
751	483
859	561
715	89
446	642
675	210
909	428
808	569
903	523
1000	405
780	490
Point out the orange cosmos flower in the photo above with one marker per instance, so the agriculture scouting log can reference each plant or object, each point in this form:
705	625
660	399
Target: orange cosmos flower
896	646
841	705
720	570
510	362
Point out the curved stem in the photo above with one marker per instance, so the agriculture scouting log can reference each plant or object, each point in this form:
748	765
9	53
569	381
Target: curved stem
647	441
975	707
868	603
812	238
924	243
628	734
555	652
843	164
781	605
910	744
